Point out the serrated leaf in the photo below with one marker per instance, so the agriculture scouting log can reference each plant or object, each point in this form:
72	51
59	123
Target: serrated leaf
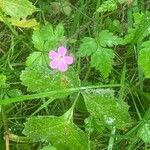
104	107
113	25
107	38
62	133
129	37
17	8
141	28
88	47
46	38
42	79
138	17
37	59
59	31
108	5
102	60
144	59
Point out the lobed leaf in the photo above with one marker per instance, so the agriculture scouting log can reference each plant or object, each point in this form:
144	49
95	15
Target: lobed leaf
110	5
46	38
37	59
106	109
107	6
60	132
107	38
102	60
42	79
87	47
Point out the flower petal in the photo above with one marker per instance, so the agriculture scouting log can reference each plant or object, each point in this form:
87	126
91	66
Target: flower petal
68	59
54	64
62	66
53	54
62	51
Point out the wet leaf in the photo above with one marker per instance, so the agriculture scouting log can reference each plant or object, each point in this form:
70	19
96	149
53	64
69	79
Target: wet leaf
42	79
106	109
62	133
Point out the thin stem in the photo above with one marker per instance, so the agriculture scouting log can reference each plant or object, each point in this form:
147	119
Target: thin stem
54	93
70	118
4	119
111	140
87	73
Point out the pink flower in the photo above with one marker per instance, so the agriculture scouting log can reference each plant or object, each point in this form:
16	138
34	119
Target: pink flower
60	60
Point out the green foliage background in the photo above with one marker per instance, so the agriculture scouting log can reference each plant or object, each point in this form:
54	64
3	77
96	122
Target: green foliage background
101	102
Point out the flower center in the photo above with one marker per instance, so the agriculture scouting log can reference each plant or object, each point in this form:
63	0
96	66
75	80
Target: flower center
60	58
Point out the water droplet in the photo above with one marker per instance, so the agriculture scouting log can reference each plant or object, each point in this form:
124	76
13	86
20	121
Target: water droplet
109	120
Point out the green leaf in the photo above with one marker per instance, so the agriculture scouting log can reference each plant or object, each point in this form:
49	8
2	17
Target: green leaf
88	47
14	93
91	125
144	59
66	8
138	17
130	36
102	60
49	148
107	38
60	132
139	32
113	25
59	31
17	8
46	38
42	79
31	23
144	132
110	5
106	109
37	59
